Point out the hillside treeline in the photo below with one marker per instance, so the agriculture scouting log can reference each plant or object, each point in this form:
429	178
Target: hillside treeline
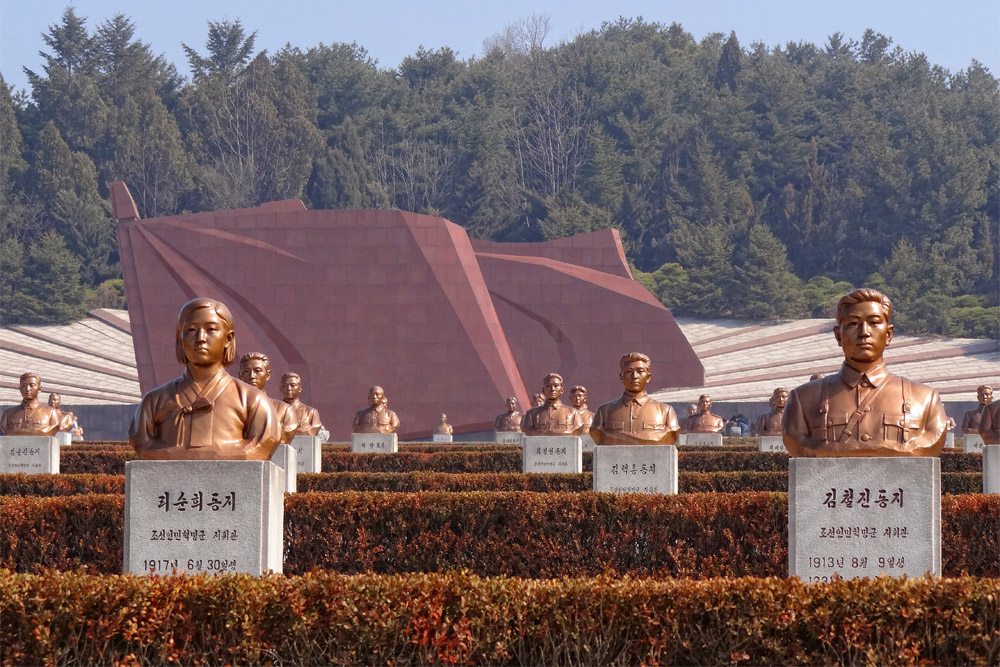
747	181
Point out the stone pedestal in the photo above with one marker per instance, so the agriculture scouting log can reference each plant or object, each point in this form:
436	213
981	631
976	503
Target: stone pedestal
552	453
203	516
991	469
286	458
308	453
635	468
949	440
29	454
704	439
973	443
771	443
374	443
64	438
441	437
507	437
588	443
864	516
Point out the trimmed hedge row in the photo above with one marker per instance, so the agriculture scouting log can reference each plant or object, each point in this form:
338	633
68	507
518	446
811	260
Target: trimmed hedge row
495	533
688	482
322	618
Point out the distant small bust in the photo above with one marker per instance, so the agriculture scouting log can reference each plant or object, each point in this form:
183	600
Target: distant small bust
30	417
635	418
770	423
685	423
578	399
66	418
510	421
377	417
970	421
552	417
537	400
307	417
443	427
705	421
989	425
255	370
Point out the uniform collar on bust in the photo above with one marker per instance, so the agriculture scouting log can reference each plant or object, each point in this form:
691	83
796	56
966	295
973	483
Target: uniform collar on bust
852	376
641	399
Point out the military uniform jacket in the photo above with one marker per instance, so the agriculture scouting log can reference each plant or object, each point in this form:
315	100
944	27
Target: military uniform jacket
508	422
970	422
26	419
850	413
375	420
307	418
554	418
989	425
634	420
769	424
705	422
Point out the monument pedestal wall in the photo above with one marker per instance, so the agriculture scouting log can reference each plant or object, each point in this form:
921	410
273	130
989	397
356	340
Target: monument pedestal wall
374	443
635	468
552	453
29	454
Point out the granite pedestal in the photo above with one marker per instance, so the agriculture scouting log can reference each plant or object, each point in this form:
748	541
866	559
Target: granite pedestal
552	454
308	453
441	437
991	469
374	443
507	437
203	516
864	516
771	443
29	454
704	439
949	440
64	438
588	443
635	468
973	443
286	458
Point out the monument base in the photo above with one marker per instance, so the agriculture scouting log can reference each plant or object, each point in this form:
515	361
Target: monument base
635	469
991	469
864	516
29	454
973	443
64	438
507	437
771	443
588	443
441	437
704	439
949	440
203	516
285	457
308	453
374	443
552	454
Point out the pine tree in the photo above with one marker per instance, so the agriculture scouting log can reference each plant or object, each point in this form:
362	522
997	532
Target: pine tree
765	287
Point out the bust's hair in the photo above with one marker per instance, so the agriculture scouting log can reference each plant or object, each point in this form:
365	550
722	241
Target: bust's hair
774	394
374	387
704	396
220	309
545	380
25	376
255	356
860	296
580	387
291	374
513	398
634	356
54	395
982	387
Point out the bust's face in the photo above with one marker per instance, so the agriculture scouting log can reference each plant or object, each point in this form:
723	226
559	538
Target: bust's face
863	332
553	389
444	418
578	397
291	387
375	396
692	410
511	404
538	400
779	399
985	395
705	403
204	337
55	400
634	376
255	372
29	387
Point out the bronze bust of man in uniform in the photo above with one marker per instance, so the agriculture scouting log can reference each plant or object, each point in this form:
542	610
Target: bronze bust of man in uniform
377	417
306	416
552	417
635	418
66	418
443	427
205	413
30	417
989	425
770	423
255	369
578	399
970	421
510	421
705	421
863	410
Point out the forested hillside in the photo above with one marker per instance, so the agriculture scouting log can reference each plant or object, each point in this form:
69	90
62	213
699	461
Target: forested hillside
746	181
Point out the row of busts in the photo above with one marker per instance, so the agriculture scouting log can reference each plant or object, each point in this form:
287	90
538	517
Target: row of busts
30	417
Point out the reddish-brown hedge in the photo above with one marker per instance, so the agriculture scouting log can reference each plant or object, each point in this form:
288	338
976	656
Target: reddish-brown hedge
494	533
456	618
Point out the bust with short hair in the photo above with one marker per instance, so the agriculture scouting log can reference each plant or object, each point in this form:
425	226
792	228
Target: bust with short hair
307	417
30	417
510	421
255	370
705	421
443	427
66	418
970	421
635	418
989	425
377	417
553	417
578	399
863	409
205	413
770	423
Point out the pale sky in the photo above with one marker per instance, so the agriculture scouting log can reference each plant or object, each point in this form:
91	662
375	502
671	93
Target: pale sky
950	34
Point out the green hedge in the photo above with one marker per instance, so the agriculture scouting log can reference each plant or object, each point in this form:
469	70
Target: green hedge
328	619
495	533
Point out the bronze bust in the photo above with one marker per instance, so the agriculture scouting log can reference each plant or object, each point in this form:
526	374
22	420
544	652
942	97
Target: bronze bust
863	409
30	417
705	421
578	399
255	369
989	425
509	421
537	400
306	417
970	421
553	417
635	418
205	413
686	422
443	427
66	418
377	417
770	423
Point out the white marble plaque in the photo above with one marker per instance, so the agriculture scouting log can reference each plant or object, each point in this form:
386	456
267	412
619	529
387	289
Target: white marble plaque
507	437
441	437
203	516
552	453
635	468
286	458
864	516
704	439
991	469
973	443
308	453
374	443
64	438
771	443
29	454
588	443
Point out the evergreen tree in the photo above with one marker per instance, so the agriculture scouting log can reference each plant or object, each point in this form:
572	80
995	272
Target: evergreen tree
765	287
